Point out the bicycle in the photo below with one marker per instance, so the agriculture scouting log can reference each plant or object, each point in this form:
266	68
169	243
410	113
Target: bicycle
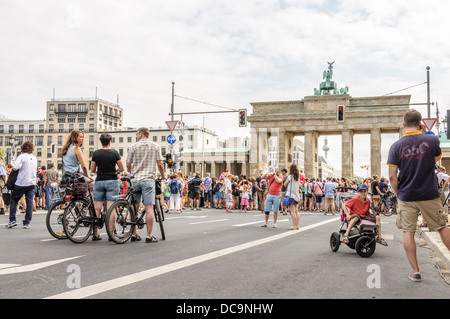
54	215
79	218
124	215
386	205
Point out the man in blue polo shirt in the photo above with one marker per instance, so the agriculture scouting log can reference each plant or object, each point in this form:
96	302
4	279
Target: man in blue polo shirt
411	163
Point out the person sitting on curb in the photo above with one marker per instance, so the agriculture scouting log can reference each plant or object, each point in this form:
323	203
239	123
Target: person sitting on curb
360	209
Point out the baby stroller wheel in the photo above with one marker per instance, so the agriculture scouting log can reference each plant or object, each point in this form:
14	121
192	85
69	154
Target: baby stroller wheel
365	246
335	241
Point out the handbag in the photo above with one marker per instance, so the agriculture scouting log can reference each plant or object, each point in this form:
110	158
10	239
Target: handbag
287	199
12	178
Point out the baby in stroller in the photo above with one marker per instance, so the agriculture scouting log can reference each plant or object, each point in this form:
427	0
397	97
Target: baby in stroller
360	211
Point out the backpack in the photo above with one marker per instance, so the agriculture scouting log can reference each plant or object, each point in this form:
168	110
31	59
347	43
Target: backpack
174	187
12	178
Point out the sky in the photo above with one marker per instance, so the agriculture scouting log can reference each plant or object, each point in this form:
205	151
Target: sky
227	53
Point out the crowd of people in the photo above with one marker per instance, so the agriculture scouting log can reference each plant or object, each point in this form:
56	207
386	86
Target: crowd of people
412	179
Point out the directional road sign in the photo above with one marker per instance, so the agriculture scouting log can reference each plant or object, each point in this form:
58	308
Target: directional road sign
171	139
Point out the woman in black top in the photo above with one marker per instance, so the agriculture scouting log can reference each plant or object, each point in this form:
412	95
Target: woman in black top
106	184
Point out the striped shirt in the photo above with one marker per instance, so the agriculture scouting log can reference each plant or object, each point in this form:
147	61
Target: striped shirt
143	156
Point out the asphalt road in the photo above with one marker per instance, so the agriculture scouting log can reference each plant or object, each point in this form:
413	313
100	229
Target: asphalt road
211	254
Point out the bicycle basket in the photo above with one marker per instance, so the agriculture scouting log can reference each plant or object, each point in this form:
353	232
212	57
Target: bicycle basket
76	189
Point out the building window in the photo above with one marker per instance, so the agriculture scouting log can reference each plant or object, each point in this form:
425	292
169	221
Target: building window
21	128
91	139
155	138
163	138
39	140
61	107
49	140
41	128
129	139
60	140
72	108
72	118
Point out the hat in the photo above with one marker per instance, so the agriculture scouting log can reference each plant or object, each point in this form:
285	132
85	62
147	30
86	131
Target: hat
361	187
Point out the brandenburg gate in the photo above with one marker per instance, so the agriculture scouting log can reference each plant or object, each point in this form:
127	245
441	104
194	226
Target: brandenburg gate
317	115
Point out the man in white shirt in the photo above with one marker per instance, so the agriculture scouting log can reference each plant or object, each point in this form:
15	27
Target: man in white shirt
26	163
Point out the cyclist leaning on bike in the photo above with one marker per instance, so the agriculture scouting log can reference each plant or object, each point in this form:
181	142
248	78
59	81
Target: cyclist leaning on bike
143	160
106	185
72	157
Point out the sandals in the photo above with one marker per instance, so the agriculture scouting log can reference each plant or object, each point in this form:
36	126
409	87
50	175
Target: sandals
345	239
151	240
382	241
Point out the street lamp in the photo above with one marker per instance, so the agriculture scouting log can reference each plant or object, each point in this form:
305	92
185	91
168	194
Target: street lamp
12	143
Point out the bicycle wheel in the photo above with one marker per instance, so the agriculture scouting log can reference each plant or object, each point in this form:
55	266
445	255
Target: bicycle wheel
54	220
389	208
120	221
78	220
159	217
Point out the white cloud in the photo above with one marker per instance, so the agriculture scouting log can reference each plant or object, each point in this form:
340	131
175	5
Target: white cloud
228	53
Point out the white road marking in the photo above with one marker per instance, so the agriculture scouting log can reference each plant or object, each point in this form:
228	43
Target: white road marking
32	267
209	221
260	222
101	287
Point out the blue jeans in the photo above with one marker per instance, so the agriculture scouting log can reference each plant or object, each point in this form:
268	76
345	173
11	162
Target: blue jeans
49	193
272	203
105	190
16	194
146	190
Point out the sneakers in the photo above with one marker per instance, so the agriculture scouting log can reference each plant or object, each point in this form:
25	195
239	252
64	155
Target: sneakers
11	225
415	277
14	224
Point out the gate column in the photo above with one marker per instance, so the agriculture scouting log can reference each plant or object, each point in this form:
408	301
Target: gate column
375	151
347	154
311	154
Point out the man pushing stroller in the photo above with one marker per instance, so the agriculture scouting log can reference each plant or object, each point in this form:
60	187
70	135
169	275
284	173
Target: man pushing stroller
359	207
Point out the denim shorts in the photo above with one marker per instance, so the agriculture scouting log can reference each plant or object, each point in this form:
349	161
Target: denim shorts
272	203
146	191
105	190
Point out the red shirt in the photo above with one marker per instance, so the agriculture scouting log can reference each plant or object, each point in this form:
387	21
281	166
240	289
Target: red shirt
358	207
275	188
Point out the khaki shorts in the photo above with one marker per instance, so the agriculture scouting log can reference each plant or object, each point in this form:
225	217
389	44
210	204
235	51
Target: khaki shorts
432	211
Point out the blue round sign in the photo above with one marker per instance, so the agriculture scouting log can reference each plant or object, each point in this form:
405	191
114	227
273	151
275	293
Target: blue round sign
171	139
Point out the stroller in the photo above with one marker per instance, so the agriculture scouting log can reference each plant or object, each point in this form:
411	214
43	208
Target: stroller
362	237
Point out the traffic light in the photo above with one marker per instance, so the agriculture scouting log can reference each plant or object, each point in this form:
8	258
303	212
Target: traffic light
169	160
340	113
242	118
